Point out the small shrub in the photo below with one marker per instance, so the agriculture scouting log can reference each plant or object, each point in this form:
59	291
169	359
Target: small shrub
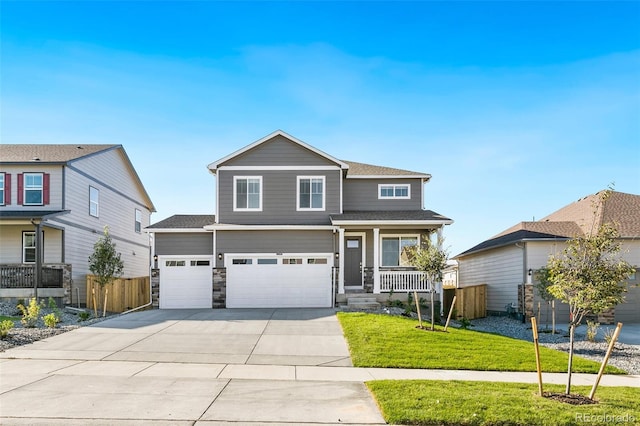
50	320
83	316
30	314
608	335
5	326
592	330
465	323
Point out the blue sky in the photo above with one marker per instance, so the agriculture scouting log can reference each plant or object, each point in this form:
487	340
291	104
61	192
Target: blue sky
516	108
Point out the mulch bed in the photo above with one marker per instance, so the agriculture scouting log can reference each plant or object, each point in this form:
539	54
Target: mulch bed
572	399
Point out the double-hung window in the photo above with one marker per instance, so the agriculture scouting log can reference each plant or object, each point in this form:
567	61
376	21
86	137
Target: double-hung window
395	250
247	193
1	189
94	201
138	221
311	192
28	247
33	189
394	192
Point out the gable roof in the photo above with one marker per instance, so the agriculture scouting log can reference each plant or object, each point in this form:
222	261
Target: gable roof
214	166
364	171
184	221
573	220
64	153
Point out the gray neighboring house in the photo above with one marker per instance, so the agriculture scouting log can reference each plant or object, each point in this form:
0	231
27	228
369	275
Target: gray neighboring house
68	193
294	227
507	262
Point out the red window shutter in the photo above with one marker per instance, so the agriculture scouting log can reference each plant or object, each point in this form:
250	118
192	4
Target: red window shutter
45	189
20	187
7	189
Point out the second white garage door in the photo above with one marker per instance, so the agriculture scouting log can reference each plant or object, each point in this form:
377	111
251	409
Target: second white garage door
278	281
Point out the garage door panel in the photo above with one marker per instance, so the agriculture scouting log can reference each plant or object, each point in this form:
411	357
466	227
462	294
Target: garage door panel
186	283
252	283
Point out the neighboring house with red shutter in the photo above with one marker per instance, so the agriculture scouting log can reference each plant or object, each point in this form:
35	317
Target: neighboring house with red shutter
69	193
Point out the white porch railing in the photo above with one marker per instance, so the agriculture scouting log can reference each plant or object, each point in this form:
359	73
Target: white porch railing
403	281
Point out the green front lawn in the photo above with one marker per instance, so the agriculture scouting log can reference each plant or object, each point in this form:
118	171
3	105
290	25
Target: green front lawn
3	318
395	342
432	402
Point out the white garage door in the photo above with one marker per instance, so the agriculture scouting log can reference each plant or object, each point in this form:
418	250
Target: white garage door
185	282
283	281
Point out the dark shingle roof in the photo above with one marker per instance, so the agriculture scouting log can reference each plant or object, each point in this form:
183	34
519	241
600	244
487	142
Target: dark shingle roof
361	169
184	221
573	220
400	215
29	214
48	153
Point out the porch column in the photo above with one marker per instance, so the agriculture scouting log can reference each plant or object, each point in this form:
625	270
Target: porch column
341	261
376	260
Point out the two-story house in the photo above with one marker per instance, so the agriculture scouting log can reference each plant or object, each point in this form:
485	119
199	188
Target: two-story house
294	227
55	201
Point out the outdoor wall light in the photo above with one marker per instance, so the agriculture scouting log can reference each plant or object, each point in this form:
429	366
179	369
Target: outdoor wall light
155	257
337	256
530	271
219	256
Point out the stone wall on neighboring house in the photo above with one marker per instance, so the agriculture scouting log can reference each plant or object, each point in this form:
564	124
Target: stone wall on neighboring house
155	288
526	300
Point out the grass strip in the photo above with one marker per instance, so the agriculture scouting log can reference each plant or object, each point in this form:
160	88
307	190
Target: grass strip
394	342
436	402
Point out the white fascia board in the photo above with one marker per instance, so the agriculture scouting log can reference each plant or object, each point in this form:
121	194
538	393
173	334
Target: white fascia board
214	166
176	230
423	177
231	227
278	168
382	223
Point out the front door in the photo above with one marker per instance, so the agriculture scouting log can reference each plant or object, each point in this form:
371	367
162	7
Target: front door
353	262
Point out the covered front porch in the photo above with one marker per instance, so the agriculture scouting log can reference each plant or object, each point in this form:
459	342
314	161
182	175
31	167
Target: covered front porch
372	251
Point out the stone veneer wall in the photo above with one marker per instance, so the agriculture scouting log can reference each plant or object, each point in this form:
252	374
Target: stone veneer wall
155	288
219	288
525	307
368	279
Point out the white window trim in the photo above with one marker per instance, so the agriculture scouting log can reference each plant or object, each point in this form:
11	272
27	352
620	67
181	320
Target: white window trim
235	198
40	188
324	194
383	236
97	203
24	248
137	213
2	198
394	186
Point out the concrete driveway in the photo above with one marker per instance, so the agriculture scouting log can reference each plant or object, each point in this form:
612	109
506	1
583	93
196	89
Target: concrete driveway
188	367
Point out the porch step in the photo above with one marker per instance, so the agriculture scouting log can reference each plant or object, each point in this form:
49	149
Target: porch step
362	302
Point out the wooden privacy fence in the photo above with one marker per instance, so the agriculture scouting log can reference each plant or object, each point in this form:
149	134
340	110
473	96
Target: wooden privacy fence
471	302
123	293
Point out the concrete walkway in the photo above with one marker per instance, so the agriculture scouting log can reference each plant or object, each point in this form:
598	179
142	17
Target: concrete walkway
185	367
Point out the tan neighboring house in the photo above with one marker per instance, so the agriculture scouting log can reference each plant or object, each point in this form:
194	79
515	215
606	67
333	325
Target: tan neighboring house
507	262
55	201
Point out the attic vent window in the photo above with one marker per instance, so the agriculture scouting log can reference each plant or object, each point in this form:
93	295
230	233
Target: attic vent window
79	147
35	159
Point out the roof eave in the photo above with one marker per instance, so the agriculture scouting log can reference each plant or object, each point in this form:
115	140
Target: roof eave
391	222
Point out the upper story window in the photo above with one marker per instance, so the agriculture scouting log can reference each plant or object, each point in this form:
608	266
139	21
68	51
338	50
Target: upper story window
33	189
2	190
311	192
138	225
94	201
395	192
247	193
395	250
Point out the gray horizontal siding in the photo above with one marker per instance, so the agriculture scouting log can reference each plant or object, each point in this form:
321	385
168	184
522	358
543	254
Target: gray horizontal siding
275	242
279	151
362	195
279	198
184	244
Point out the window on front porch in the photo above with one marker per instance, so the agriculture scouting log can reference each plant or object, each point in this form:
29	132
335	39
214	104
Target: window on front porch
395	250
